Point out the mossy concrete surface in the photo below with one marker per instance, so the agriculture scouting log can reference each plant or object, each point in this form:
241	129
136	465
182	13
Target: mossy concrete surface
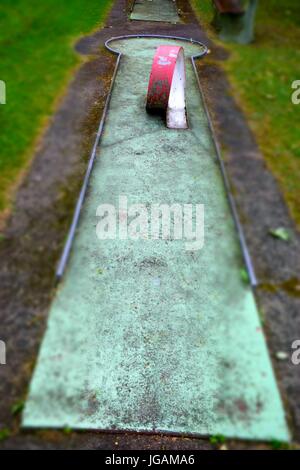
155	10
145	335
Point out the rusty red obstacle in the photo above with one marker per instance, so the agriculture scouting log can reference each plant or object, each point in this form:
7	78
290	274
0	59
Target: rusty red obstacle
166	90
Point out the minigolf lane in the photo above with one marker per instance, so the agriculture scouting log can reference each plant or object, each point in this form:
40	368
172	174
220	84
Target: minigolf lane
155	10
147	335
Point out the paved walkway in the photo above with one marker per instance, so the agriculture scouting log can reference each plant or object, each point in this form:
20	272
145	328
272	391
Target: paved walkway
146	335
155	10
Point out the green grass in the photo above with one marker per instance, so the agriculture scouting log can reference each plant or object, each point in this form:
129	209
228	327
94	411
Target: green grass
37	60
261	75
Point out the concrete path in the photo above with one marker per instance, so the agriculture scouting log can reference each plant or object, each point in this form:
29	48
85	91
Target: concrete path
155	10
146	335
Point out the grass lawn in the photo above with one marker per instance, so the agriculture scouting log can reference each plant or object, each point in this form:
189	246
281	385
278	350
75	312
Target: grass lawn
261	75
37	60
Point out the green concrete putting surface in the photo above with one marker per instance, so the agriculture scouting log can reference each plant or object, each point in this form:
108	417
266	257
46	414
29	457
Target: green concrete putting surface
144	335
155	10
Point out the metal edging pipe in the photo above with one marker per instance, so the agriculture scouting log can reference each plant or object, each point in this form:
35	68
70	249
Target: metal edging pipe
242	239
70	238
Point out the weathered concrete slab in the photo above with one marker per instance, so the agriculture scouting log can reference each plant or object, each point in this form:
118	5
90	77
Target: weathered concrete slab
144	335
155	10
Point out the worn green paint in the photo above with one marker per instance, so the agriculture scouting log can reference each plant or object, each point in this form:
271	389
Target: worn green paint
155	10
144	335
